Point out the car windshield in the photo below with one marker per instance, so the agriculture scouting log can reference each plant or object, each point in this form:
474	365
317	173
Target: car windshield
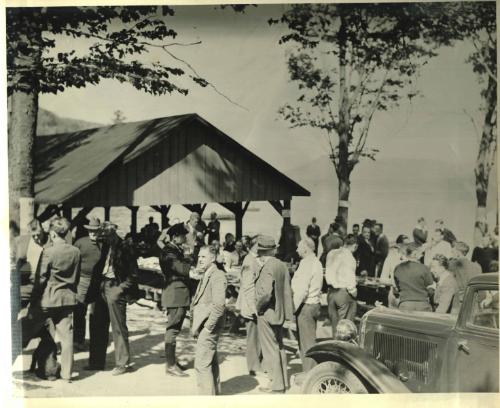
485	309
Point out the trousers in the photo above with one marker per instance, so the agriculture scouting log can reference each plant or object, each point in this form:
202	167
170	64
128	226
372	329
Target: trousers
206	363
109	309
341	305
175	316
306	327
254	350
273	353
79	323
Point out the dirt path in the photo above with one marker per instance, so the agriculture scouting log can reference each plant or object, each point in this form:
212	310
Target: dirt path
146	328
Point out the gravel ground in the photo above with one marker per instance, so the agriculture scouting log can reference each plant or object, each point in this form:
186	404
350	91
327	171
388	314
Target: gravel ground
146	327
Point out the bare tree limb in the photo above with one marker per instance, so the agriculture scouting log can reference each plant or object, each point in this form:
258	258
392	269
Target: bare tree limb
476	130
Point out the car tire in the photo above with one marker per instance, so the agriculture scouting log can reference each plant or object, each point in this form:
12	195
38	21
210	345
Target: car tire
332	378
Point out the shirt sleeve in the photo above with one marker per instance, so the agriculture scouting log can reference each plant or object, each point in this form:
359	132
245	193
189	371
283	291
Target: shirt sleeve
300	284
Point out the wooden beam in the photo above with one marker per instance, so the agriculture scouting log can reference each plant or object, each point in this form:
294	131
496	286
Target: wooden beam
80	217
286	213
51	210
245	207
277	206
66	212
199	208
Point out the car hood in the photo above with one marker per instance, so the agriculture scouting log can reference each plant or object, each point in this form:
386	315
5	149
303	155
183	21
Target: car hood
437	324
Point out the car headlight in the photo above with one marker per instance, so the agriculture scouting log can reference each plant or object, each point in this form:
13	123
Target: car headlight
362	331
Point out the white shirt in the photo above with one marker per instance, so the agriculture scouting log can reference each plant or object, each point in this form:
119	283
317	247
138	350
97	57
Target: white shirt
442	247
33	255
340	270
307	281
108	271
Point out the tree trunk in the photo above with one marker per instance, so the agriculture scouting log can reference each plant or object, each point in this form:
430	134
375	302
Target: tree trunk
487	152
343	209
22	135
343	169
23	112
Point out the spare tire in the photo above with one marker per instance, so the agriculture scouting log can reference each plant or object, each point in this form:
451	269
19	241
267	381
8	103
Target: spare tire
332	378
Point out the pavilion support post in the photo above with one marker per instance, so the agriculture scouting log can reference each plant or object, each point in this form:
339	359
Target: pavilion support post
285	213
107	213
133	219
277	205
163	210
239	210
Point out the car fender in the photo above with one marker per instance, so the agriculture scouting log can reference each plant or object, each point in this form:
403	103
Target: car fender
369	370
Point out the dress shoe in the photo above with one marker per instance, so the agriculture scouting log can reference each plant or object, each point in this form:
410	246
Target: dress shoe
182	367
175	371
119	370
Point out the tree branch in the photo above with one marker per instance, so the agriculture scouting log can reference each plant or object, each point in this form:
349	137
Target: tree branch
480	52
187	64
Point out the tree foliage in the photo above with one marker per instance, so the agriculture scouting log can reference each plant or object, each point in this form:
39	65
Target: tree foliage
349	62
117	37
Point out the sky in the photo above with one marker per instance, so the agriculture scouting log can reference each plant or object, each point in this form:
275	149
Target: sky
427	147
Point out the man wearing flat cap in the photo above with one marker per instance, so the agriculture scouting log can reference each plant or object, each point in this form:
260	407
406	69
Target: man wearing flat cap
88	289
176	296
273	297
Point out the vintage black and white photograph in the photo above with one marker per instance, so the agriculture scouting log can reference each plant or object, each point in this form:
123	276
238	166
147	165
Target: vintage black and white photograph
235	199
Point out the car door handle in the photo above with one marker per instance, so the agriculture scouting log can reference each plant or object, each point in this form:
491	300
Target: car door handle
462	345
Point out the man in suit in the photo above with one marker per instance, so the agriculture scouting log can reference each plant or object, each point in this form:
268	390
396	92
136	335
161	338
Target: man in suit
118	286
87	290
274	305
314	232
54	292
246	305
333	240
213	228
176	294
365	253
446	288
381	247
208	307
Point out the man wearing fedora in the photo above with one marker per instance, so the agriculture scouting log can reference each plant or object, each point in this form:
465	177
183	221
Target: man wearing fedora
273	298
208	307
175	297
87	290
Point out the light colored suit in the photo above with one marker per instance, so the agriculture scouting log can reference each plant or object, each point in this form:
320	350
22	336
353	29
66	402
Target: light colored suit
207	310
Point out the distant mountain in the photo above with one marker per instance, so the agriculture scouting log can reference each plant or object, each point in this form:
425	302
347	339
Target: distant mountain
49	124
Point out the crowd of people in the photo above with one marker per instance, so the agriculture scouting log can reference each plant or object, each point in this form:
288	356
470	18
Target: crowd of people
58	281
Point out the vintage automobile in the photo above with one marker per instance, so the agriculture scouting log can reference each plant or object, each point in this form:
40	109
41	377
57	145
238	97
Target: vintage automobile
416	351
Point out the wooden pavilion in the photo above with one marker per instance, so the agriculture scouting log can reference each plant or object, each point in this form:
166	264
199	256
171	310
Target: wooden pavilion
160	162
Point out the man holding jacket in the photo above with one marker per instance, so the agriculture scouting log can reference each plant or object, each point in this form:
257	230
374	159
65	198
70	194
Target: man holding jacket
274	306
208	308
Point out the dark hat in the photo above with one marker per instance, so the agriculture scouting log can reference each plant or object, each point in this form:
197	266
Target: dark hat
93	225
106	229
177	229
265	243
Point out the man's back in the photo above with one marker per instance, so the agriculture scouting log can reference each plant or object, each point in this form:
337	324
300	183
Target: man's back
412	279
273	292
59	273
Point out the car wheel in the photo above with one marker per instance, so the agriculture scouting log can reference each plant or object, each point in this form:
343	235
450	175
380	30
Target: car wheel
332	378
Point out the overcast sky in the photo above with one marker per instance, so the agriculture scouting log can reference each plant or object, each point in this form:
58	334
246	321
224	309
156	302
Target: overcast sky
240	54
